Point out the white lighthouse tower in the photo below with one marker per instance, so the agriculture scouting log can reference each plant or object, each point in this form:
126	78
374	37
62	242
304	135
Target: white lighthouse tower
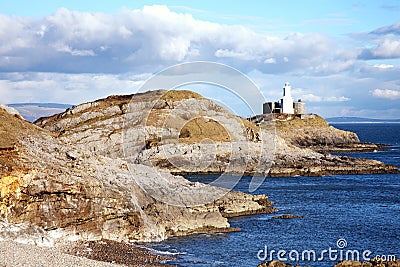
287	100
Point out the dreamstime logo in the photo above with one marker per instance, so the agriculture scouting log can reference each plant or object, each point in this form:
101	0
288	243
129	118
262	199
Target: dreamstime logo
341	243
156	122
331	254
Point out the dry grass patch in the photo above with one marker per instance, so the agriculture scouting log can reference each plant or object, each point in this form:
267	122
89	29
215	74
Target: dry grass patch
178	95
297	123
199	129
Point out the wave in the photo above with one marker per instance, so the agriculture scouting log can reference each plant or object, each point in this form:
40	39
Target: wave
162	252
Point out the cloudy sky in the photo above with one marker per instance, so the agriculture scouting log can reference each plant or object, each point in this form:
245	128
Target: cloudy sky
341	57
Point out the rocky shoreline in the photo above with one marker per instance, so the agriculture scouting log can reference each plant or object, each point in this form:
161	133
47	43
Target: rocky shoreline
116	253
352	148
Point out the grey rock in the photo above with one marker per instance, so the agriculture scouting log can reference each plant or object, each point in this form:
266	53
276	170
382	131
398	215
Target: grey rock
10	110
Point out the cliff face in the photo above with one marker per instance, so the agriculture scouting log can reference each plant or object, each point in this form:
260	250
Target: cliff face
52	188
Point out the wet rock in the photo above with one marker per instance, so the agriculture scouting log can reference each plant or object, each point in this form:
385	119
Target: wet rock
288	216
372	263
274	263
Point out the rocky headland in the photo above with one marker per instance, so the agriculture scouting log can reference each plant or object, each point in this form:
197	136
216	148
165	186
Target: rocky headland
315	133
109	169
184	133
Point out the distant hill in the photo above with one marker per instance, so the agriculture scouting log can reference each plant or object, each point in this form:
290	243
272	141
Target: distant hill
359	120
33	111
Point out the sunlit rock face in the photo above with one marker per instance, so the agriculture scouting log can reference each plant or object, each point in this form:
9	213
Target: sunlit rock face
55	186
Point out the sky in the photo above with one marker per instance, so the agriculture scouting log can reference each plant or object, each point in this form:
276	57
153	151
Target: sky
341	57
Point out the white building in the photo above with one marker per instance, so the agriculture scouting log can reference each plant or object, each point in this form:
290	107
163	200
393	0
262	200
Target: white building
287	100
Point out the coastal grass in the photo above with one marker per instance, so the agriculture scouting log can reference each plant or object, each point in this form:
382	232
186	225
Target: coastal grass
179	95
298	123
199	129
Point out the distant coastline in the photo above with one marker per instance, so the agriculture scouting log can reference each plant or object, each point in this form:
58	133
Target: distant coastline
359	120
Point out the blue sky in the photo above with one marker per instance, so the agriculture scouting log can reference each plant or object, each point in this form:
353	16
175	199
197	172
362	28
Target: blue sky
341	57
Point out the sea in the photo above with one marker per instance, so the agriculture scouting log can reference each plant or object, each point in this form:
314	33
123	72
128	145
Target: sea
344	217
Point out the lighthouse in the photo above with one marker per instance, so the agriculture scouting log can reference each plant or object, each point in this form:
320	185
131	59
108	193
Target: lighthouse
287	100
286	104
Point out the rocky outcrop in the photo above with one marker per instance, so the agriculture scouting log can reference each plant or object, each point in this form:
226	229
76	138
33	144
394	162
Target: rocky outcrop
10	110
274	263
315	132
288	216
184	133
52	189
371	263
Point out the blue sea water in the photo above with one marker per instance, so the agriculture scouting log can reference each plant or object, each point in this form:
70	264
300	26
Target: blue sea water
362	211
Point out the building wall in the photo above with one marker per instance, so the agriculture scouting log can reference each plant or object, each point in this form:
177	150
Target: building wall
272	107
287	105
287	100
299	107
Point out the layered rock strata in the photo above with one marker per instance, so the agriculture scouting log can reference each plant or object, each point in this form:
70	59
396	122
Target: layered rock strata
51	188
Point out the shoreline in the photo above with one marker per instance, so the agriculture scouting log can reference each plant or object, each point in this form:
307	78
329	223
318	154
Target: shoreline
338	164
365	147
117	253
308	171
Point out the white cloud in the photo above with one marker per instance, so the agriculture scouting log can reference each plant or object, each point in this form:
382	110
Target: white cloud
65	88
386	49
384	43
270	61
73	52
315	98
386	93
152	37
242	55
383	66
336	99
311	98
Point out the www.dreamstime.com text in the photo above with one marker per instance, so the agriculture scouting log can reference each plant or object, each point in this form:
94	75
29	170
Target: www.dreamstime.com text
339	253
